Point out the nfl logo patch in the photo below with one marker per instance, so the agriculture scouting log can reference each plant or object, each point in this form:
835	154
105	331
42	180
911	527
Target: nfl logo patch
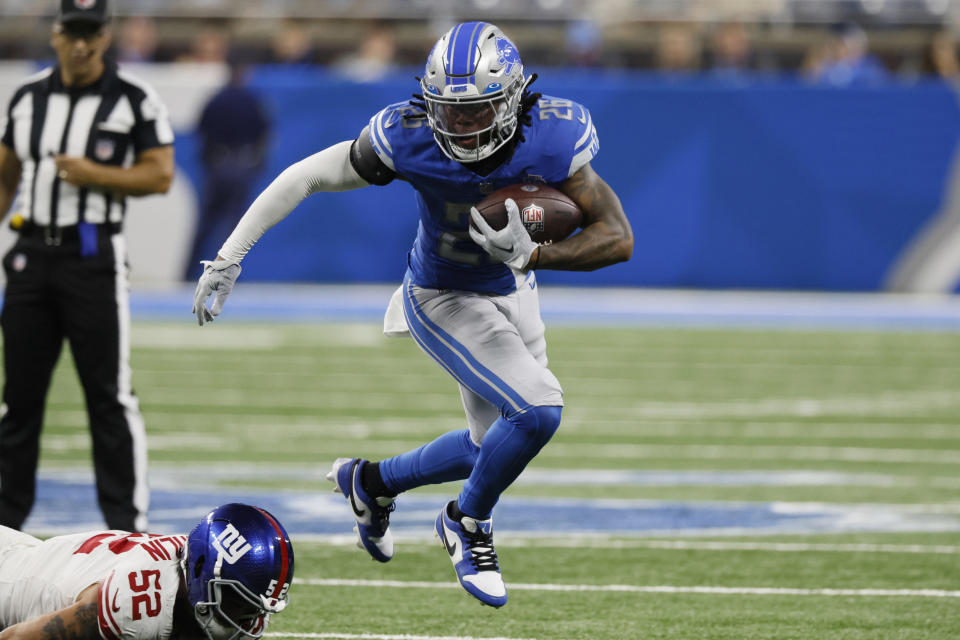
104	149
84	4
532	216
19	262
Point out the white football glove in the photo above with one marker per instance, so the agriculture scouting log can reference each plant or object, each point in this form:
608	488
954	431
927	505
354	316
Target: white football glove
511	245
218	277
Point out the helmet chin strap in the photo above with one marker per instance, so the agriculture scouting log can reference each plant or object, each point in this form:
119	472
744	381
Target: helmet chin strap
527	81
272	605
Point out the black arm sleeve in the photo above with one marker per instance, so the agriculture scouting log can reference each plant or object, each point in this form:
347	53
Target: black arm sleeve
367	163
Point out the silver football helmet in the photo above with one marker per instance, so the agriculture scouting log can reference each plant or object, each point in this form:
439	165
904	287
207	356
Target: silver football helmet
472	87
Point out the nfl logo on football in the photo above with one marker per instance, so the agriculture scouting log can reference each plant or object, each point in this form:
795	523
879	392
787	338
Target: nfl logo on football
532	218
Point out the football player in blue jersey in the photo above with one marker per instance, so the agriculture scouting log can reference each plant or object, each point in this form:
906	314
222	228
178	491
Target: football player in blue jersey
469	297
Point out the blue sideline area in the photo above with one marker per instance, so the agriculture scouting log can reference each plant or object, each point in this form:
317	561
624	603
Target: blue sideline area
582	306
755	183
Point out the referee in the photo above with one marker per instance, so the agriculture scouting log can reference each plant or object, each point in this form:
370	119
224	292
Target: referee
78	138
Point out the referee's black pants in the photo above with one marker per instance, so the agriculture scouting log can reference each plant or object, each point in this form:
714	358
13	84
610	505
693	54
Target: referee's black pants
54	293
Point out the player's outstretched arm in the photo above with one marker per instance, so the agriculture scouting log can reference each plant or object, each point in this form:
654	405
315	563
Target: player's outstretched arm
606	237
327	170
76	622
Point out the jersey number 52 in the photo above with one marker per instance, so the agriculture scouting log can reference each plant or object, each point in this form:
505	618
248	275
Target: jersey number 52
140	584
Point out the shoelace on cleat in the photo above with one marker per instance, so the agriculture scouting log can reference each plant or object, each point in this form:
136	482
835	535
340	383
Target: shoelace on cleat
482	554
382	514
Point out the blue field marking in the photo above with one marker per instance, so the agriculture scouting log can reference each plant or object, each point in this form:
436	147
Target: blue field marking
66	503
586	306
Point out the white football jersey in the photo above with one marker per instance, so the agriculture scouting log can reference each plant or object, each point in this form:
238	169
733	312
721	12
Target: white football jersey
138	573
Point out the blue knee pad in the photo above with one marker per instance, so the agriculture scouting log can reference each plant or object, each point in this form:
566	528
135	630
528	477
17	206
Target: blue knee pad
540	422
510	444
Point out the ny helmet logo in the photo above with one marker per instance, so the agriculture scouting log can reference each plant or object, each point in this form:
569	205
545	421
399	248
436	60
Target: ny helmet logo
84	4
230	544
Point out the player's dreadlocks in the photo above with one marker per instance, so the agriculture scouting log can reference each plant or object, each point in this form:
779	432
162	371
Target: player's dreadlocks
527	100
419	103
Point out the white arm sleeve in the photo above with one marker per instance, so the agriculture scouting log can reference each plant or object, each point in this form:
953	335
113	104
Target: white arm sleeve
328	170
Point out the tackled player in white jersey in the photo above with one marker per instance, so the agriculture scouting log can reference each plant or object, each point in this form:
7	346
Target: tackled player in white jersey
470	296
220	582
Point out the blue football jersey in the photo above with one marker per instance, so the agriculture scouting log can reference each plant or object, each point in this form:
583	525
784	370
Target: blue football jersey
560	139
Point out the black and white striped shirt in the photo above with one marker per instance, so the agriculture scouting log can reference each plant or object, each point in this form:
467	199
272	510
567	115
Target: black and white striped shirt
110	122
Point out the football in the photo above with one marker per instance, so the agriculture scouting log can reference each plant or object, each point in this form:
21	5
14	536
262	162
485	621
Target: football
549	215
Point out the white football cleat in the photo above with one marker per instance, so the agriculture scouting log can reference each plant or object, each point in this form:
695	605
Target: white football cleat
372	514
470	546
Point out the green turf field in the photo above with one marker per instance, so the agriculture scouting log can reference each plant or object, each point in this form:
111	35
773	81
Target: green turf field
873	416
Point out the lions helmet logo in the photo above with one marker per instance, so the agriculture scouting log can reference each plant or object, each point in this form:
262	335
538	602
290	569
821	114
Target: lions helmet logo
508	55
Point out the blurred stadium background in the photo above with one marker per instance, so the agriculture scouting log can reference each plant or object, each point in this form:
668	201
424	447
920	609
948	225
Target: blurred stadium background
762	433
772	144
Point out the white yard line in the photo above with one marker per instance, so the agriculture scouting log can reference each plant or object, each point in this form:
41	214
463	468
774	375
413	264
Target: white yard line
578	419
265	336
175	396
744	478
382	636
187	474
213	442
605	542
752	452
879	403
629	588
706	545
618	408
575	421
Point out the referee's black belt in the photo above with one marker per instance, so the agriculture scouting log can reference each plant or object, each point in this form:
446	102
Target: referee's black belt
70	234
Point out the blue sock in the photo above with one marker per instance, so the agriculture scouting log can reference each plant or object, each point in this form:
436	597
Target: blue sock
510	444
449	457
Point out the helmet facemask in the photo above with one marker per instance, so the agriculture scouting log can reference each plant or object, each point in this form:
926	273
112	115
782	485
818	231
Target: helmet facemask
473	114
231	611
471	129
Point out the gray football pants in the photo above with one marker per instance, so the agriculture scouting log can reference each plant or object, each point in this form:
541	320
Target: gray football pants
494	346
